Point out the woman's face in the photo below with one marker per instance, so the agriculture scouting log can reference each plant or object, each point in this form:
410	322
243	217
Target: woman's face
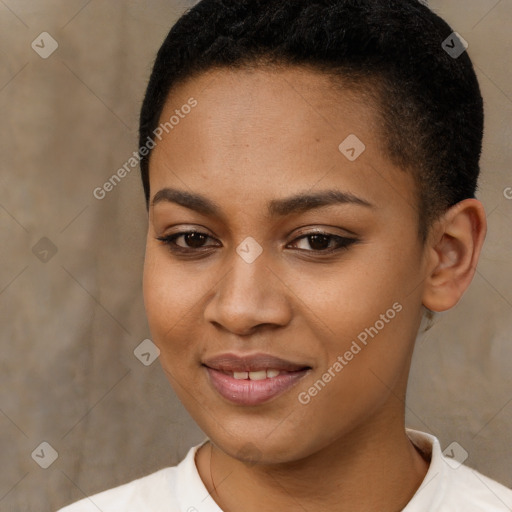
340	310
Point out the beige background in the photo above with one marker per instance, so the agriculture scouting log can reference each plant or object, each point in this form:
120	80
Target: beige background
69	326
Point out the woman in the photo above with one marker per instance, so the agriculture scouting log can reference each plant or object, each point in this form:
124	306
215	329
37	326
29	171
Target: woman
309	171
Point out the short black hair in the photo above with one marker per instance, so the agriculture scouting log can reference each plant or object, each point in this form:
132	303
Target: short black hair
429	105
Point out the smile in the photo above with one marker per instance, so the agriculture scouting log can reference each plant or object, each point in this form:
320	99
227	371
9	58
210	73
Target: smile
253	388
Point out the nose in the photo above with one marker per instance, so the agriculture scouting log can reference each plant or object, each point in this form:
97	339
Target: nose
249	295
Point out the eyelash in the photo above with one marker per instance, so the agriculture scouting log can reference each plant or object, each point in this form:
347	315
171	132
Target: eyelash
343	242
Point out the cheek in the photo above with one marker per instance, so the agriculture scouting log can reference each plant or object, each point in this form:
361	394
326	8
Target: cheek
170	298
369	317
352	296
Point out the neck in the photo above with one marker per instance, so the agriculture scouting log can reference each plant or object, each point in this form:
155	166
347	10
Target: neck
373	468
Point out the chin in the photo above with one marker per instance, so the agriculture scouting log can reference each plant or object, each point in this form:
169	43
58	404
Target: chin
259	446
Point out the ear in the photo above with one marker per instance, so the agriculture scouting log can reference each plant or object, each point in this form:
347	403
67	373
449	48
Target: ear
453	252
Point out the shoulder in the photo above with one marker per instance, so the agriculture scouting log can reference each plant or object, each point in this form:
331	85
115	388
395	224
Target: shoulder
450	486
472	491
166	490
147	493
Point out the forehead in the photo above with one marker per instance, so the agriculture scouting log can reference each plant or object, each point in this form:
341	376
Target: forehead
272	97
270	130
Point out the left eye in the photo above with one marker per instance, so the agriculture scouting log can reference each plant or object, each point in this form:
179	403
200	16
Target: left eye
325	242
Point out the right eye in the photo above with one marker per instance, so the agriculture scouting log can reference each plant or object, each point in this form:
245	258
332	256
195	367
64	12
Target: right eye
193	241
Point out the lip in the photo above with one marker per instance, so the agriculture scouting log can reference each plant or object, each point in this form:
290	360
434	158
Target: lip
252	392
231	362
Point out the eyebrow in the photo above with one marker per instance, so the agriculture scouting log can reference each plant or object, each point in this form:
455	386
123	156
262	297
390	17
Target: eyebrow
298	203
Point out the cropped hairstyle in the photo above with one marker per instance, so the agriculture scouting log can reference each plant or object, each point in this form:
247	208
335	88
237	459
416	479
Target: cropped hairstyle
429	110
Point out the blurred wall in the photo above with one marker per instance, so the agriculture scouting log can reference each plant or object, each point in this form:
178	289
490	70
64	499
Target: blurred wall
71	305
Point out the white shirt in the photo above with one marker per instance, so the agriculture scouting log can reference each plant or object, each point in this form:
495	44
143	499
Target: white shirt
448	487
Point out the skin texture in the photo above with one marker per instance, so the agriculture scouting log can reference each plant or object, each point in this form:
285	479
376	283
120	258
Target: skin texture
260	135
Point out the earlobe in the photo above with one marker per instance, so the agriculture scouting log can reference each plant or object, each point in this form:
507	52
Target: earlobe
454	254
